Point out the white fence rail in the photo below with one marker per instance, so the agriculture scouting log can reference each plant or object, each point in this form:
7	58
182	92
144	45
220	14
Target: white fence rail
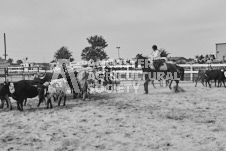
128	71
190	69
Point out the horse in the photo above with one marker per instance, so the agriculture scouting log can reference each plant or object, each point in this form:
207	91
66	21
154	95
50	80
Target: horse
157	64
86	78
201	77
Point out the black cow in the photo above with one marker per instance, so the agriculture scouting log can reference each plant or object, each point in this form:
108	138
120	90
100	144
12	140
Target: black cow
34	83
216	75
20	91
4	97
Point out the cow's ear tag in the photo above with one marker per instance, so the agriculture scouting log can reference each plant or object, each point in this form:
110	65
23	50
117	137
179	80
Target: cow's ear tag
11	88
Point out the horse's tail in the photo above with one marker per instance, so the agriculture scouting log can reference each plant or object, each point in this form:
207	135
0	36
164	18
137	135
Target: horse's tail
182	74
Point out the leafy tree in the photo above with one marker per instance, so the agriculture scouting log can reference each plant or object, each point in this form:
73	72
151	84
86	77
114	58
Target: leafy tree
63	53
10	60
96	49
19	61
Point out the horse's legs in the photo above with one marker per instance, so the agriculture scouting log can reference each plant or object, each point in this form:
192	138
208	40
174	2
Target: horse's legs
170	83
196	81
167	83
39	103
177	82
161	83
153	83
146	86
202	81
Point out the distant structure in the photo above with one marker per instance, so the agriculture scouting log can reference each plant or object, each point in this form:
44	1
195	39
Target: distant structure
221	51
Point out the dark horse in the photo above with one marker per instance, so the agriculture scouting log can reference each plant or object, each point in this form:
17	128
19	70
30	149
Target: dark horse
157	64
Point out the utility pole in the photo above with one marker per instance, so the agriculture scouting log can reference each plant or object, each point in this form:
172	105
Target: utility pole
5	56
5	46
118	52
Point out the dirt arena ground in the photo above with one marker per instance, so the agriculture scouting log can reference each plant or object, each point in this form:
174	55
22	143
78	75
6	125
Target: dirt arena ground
193	120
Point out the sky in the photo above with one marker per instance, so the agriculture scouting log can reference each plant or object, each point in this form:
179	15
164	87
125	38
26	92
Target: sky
38	28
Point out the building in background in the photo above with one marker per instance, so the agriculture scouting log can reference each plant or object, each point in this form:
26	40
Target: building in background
221	51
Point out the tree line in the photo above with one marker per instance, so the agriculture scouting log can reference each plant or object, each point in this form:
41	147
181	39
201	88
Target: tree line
95	50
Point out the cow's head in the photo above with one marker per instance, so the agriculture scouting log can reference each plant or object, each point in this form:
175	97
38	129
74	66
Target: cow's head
224	71
11	87
4	90
38	76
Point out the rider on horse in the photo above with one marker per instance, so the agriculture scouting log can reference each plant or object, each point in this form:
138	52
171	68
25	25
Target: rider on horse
155	53
155	56
156	61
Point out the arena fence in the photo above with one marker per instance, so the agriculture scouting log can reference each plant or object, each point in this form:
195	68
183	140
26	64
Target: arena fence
191	71
20	73
123	72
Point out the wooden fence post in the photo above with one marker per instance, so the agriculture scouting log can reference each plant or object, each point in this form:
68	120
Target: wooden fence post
191	74
23	74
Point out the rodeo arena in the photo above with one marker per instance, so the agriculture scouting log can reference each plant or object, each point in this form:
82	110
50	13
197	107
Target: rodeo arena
157	96
96	106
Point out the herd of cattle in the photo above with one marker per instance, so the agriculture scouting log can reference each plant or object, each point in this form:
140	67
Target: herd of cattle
205	76
46	89
49	89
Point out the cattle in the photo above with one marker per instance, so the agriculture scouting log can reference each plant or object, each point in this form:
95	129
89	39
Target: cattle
34	83
201	76
7	100
56	89
86	79
4	97
20	91
69	76
216	75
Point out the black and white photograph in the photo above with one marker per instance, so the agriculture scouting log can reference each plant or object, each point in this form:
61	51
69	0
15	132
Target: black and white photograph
112	75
